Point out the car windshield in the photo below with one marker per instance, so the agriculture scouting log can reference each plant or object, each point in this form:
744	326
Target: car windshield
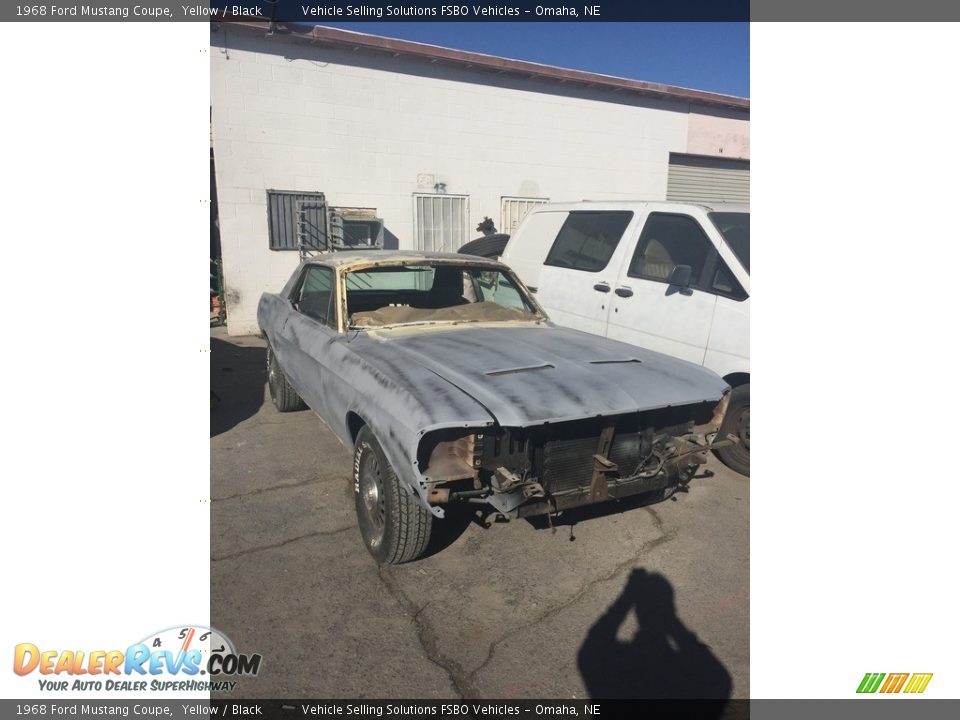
433	293
735	228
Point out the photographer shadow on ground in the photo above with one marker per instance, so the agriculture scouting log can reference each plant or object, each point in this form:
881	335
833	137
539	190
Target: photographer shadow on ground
662	660
238	374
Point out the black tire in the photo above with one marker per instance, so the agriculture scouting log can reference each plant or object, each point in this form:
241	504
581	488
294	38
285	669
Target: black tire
737	422
491	246
284	397
394	525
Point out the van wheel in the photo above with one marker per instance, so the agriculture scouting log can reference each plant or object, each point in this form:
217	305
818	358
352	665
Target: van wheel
281	391
737	422
394	525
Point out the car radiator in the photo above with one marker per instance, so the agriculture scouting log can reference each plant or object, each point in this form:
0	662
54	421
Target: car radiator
568	464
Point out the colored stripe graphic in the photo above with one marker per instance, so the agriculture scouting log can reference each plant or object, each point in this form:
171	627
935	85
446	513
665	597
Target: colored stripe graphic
894	682
870	682
918	682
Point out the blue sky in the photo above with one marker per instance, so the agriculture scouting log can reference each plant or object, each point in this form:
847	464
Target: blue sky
703	56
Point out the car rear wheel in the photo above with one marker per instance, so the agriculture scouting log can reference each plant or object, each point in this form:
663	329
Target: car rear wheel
394	525
737	422
281	392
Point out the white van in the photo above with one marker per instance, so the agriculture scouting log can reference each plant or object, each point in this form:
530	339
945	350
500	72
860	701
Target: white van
668	276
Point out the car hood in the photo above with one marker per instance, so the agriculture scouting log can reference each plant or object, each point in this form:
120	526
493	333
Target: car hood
533	374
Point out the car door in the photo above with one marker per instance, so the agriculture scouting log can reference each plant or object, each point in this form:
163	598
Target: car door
307	334
577	277
646	309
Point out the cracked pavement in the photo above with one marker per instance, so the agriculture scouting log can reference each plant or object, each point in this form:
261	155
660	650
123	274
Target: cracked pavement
503	611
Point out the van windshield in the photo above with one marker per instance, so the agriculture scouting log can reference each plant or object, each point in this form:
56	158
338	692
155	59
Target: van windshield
735	228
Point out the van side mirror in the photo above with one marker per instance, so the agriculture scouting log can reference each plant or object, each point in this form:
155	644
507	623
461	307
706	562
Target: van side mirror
681	276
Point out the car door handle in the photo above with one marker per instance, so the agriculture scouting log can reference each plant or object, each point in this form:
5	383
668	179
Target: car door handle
602	287
624	292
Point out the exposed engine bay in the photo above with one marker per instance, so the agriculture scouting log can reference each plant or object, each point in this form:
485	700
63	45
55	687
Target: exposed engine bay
551	467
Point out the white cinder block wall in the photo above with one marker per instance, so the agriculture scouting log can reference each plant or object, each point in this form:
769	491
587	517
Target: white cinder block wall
361	127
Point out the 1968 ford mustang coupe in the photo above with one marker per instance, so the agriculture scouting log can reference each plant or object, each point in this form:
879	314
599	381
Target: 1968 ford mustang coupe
452	386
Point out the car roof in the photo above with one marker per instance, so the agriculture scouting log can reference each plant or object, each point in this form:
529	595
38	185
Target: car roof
636	204
347	259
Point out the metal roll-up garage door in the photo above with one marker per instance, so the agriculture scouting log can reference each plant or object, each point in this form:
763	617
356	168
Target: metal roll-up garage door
696	178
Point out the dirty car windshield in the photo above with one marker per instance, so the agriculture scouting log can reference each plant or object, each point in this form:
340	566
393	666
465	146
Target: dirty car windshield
431	293
735	228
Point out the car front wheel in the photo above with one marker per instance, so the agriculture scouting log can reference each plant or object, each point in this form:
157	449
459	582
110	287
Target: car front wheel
394	525
737	422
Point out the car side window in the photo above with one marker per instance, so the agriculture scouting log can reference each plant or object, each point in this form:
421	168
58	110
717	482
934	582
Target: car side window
668	241
587	240
494	286
315	298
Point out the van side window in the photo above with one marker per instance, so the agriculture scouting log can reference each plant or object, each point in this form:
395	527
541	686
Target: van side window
724	283
587	240
315	298
668	241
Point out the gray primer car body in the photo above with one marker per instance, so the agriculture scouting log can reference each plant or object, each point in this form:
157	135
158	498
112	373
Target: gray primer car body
406	382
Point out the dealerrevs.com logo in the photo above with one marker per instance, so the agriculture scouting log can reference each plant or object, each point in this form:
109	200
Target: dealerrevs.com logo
910	683
182	659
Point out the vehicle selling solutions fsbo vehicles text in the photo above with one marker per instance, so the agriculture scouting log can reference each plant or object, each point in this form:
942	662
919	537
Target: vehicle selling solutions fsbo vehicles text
461	11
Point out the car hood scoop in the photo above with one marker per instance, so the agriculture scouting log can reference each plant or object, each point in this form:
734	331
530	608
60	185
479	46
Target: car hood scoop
510	371
543	374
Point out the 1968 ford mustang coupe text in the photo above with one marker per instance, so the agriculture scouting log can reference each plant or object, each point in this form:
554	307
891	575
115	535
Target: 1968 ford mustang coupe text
451	385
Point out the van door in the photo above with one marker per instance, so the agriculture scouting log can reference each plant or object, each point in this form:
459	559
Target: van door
576	281
647	310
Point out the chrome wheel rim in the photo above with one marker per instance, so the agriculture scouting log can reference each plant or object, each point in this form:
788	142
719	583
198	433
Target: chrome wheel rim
372	497
272	374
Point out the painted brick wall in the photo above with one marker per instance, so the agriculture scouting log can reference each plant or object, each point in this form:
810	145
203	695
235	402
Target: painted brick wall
361	128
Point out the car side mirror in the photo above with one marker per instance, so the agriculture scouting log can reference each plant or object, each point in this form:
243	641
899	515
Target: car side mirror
681	276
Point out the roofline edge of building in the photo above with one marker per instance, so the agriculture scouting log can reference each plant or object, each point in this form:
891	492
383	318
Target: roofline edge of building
357	40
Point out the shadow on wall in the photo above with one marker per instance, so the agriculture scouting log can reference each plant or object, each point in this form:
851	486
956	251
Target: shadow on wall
390	241
663	659
238	376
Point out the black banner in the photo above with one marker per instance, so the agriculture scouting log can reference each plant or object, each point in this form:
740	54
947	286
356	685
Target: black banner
848	709
365	709
331	11
325	11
